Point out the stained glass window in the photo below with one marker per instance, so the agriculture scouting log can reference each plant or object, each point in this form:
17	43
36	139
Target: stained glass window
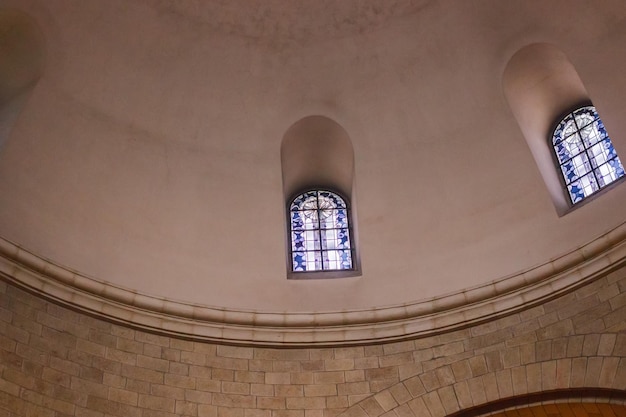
320	232
585	154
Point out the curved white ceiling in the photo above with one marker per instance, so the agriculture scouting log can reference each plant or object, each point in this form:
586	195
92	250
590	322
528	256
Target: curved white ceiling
148	154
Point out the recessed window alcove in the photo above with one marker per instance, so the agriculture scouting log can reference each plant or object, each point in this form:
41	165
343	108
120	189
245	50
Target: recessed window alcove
317	161
542	86
21	66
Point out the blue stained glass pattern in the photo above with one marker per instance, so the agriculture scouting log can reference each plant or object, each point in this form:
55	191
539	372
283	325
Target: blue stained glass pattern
320	232
585	153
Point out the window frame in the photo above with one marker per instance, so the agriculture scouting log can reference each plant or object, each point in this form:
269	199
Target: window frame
324	273
558	165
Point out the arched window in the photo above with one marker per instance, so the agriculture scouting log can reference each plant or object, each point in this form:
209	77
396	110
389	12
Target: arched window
320	232
585	154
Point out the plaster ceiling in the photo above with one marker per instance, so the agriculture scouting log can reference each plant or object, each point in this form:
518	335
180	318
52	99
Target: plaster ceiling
148	154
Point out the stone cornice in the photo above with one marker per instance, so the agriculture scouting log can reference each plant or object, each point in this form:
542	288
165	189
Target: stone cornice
420	318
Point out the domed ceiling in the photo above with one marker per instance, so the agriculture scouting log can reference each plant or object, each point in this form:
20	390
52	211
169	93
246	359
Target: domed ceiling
146	159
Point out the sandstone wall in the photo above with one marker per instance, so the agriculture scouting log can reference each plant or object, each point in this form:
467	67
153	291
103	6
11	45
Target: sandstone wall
56	362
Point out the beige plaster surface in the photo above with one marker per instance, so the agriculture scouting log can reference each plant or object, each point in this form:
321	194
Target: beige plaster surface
148	153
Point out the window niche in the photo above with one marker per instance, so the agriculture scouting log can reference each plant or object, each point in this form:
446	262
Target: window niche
21	66
540	83
317	162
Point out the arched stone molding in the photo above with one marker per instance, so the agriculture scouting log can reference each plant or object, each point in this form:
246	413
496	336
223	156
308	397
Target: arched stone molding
443	393
558	402
379	324
22	47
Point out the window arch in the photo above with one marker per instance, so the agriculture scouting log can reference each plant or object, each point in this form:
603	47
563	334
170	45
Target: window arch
584	153
320	235
321	228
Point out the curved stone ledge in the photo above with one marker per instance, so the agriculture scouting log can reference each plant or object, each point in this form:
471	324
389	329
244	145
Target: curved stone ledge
419	318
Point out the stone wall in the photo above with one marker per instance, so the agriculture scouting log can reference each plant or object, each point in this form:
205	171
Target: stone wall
57	362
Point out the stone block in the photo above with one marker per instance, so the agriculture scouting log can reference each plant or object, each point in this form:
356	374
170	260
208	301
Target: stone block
178	368
208	385
563	373
334	377
287	413
477	390
286	366
403	411
229	412
207	410
249	377
312	365
242	388
590	345
282	354
579	369
396	359
381	373
320	390
382	384
400	393
386	400
235	352
606	344
340	401
306	403
123	396
262	390
511	357
289	390
355	375
408	370
157	403
494	361
167	391
445	376
415	386
398	347
271	403
143	374
463	395
351	388
184	408
419	408
478	365
548	375
430	381
128	345
339	364
233	401
371	407
349	352
370	362
518	379
199	397
594	367
608	372
448	400
153	363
